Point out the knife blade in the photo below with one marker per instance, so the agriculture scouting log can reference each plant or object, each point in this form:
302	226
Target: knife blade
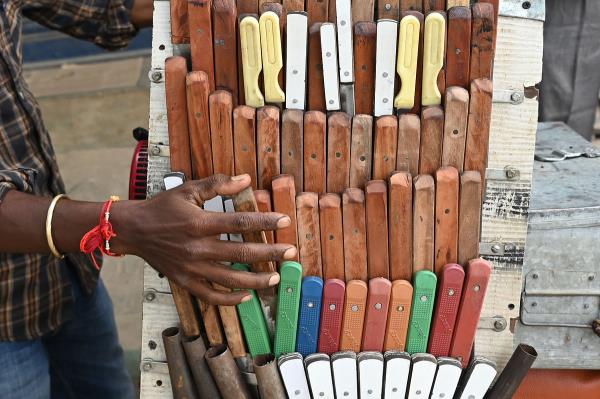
309	234
287	308
296	57
338	151
355	234
272	58
397	370
316	85
310	314
197	90
284	201
408	57
424	285
400	226
365	46
345	54
446	378
361	148
201	38
225	46
469	216
409	141
377	229
422	375
267	143
315	147
370	374
433	57
292	132
345	374
446	217
423	222
294	376
251	60
376	314
455	127
220	106
458	55
432	133
331	80
331	316
398	316
332	245
318	368
478	379
385	147
385	73
354	314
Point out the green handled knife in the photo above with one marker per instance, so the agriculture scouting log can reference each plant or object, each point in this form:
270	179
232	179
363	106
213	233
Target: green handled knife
288	307
424	283
253	321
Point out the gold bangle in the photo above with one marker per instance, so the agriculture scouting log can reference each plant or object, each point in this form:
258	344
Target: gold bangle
49	226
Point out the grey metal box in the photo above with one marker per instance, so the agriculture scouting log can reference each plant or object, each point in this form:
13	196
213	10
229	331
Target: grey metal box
561	271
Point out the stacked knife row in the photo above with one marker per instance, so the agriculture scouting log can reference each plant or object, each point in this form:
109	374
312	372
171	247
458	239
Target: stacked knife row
401	62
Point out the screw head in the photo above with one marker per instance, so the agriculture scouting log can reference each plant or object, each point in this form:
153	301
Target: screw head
289	290
533	304
516	97
511	173
450	292
150	296
495	248
156	76
534	276
499	325
355	308
424	298
147	366
310	305
400	308
332	306
591	277
377	306
476	288
388	6
155	150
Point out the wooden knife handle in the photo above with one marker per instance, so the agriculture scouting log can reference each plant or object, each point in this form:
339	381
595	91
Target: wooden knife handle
469	216
388	9
267	141
411	5
455	127
263	204
398	316
332	244
361	150
496	5
232	326
338	152
292	141
309	234
456	3
314	70
179	140
446	217
385	147
355	234
478	131
409	141
180	28
292	5
284	201
199	125
244	142
220	105
247	7
354	315
365	46
482	41
433	5
363	11
212	323
376	314
377	229
416	109
423	222
458	55
400	225
318	11
201	39
315	147
432	132
225	46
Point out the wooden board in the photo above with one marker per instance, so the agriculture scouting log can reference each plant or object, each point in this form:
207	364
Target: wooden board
423	222
458	53
433	5
244	142
317	10
411	5
338	152
478	131
201	40
363	10
388	9
355	234
315	152
482	42
361	150
332	238
385	147
309	234
292	142
377	229
267	143
180	28
446	217
400	226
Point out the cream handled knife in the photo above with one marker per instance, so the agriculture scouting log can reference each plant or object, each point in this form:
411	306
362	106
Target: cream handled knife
406	65
294	376
330	67
423	373
318	368
345	375
385	66
295	65
270	43
370	374
433	57
397	370
251	60
346	54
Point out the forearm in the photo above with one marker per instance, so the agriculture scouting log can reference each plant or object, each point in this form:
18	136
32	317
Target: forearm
141	13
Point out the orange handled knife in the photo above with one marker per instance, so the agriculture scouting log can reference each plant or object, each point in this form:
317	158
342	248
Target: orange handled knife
354	315
401	226
385	147
361	148
315	147
338	152
267	143
244	142
292	132
398	316
423	222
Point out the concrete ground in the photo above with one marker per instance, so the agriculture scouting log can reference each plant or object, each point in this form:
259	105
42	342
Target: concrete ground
90	111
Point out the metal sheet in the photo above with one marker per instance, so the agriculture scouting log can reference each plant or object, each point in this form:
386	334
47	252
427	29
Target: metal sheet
534	9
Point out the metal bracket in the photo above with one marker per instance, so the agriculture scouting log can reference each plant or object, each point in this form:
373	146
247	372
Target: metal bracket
532	9
514	97
159	150
508	173
500	249
496	323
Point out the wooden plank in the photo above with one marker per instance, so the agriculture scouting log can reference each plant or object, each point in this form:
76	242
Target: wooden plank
263	204
423	222
309	234
317	10
455	127
201	40
377	229
432	132
365	41
458	53
409	143
478	131
411	5
284	201
469	216
332	244
225	46
220	105
244	142
180	28
197	88
338	152
446	217
416	109
385	147
361	150
314	70
401	226
355	234
363	10
433	5
267	142
482	41
388	9
292	152
315	147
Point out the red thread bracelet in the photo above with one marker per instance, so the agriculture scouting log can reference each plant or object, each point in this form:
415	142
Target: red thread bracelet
99	237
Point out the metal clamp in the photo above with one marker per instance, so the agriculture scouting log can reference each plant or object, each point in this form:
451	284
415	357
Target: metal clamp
496	323
500	249
159	150
513	97
533	9
508	173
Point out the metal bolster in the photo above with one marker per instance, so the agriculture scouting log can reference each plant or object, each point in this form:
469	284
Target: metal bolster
532	9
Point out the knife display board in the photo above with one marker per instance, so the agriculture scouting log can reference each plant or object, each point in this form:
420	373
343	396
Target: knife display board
506	193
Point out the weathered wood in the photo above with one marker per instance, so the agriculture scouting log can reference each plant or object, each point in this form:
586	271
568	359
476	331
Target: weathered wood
175	76
432	132
409	143
292	5
331	14
416	109
292	153
309	234
284	201
317	10
244	142
455	127
220	105
361	150
478	131
385	147
482	42
247	7
263	204
338	152
388	9
363	10
496	5
355	234
201	39
314	70
456	3
433	5
377	229
469	216
365	41
332	241
458	53
315	147
232	327
446	217
180	28
411	5
198	123
212	323
225	46
423	222
400	226
267	143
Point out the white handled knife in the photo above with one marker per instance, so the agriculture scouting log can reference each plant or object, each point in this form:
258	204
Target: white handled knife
397	370
447	377
295	65
345	374
173	179
370	374
293	375
236	237
330	67
423	373
216	205
385	66
479	377
318	368
346	54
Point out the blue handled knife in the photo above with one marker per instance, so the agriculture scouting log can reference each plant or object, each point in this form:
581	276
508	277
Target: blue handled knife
310	314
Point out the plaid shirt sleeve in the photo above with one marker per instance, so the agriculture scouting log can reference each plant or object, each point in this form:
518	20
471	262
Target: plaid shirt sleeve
105	22
17	179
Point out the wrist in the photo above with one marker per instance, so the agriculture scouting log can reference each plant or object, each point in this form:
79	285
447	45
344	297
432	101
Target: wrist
126	223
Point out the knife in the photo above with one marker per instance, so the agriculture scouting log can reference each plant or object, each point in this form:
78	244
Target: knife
229	208
201	38
309	234
220	106
482	41
316	85
318	368
416	109
456	3
455	127
345	54
244	139
387	37
433	57
400	226
385	147
284	201
469	216
377	229
432	5
310	313
263	204
478	272
345	374
478	379
446	378
267	145
458	55
361	149
251	60
296	57
294	376
355	234
253	321
397	370
272	58
478	126
388	9
408	57
365	45
331	316
448	299
292	132
287	308
332	245
424	284
376	314
363	11
411	5
398	316
446	217
422	375
338	151
180	29
354	314
423	222
330	67
225	46
409	141
315	147
432	133
197	91
370	374
317	11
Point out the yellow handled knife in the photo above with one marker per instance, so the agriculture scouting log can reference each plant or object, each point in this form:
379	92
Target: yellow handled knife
406	65
433	57
270	43
251	60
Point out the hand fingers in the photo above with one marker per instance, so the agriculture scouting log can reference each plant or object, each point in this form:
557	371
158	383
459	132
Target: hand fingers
210	187
249	252
224	275
241	222
208	294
